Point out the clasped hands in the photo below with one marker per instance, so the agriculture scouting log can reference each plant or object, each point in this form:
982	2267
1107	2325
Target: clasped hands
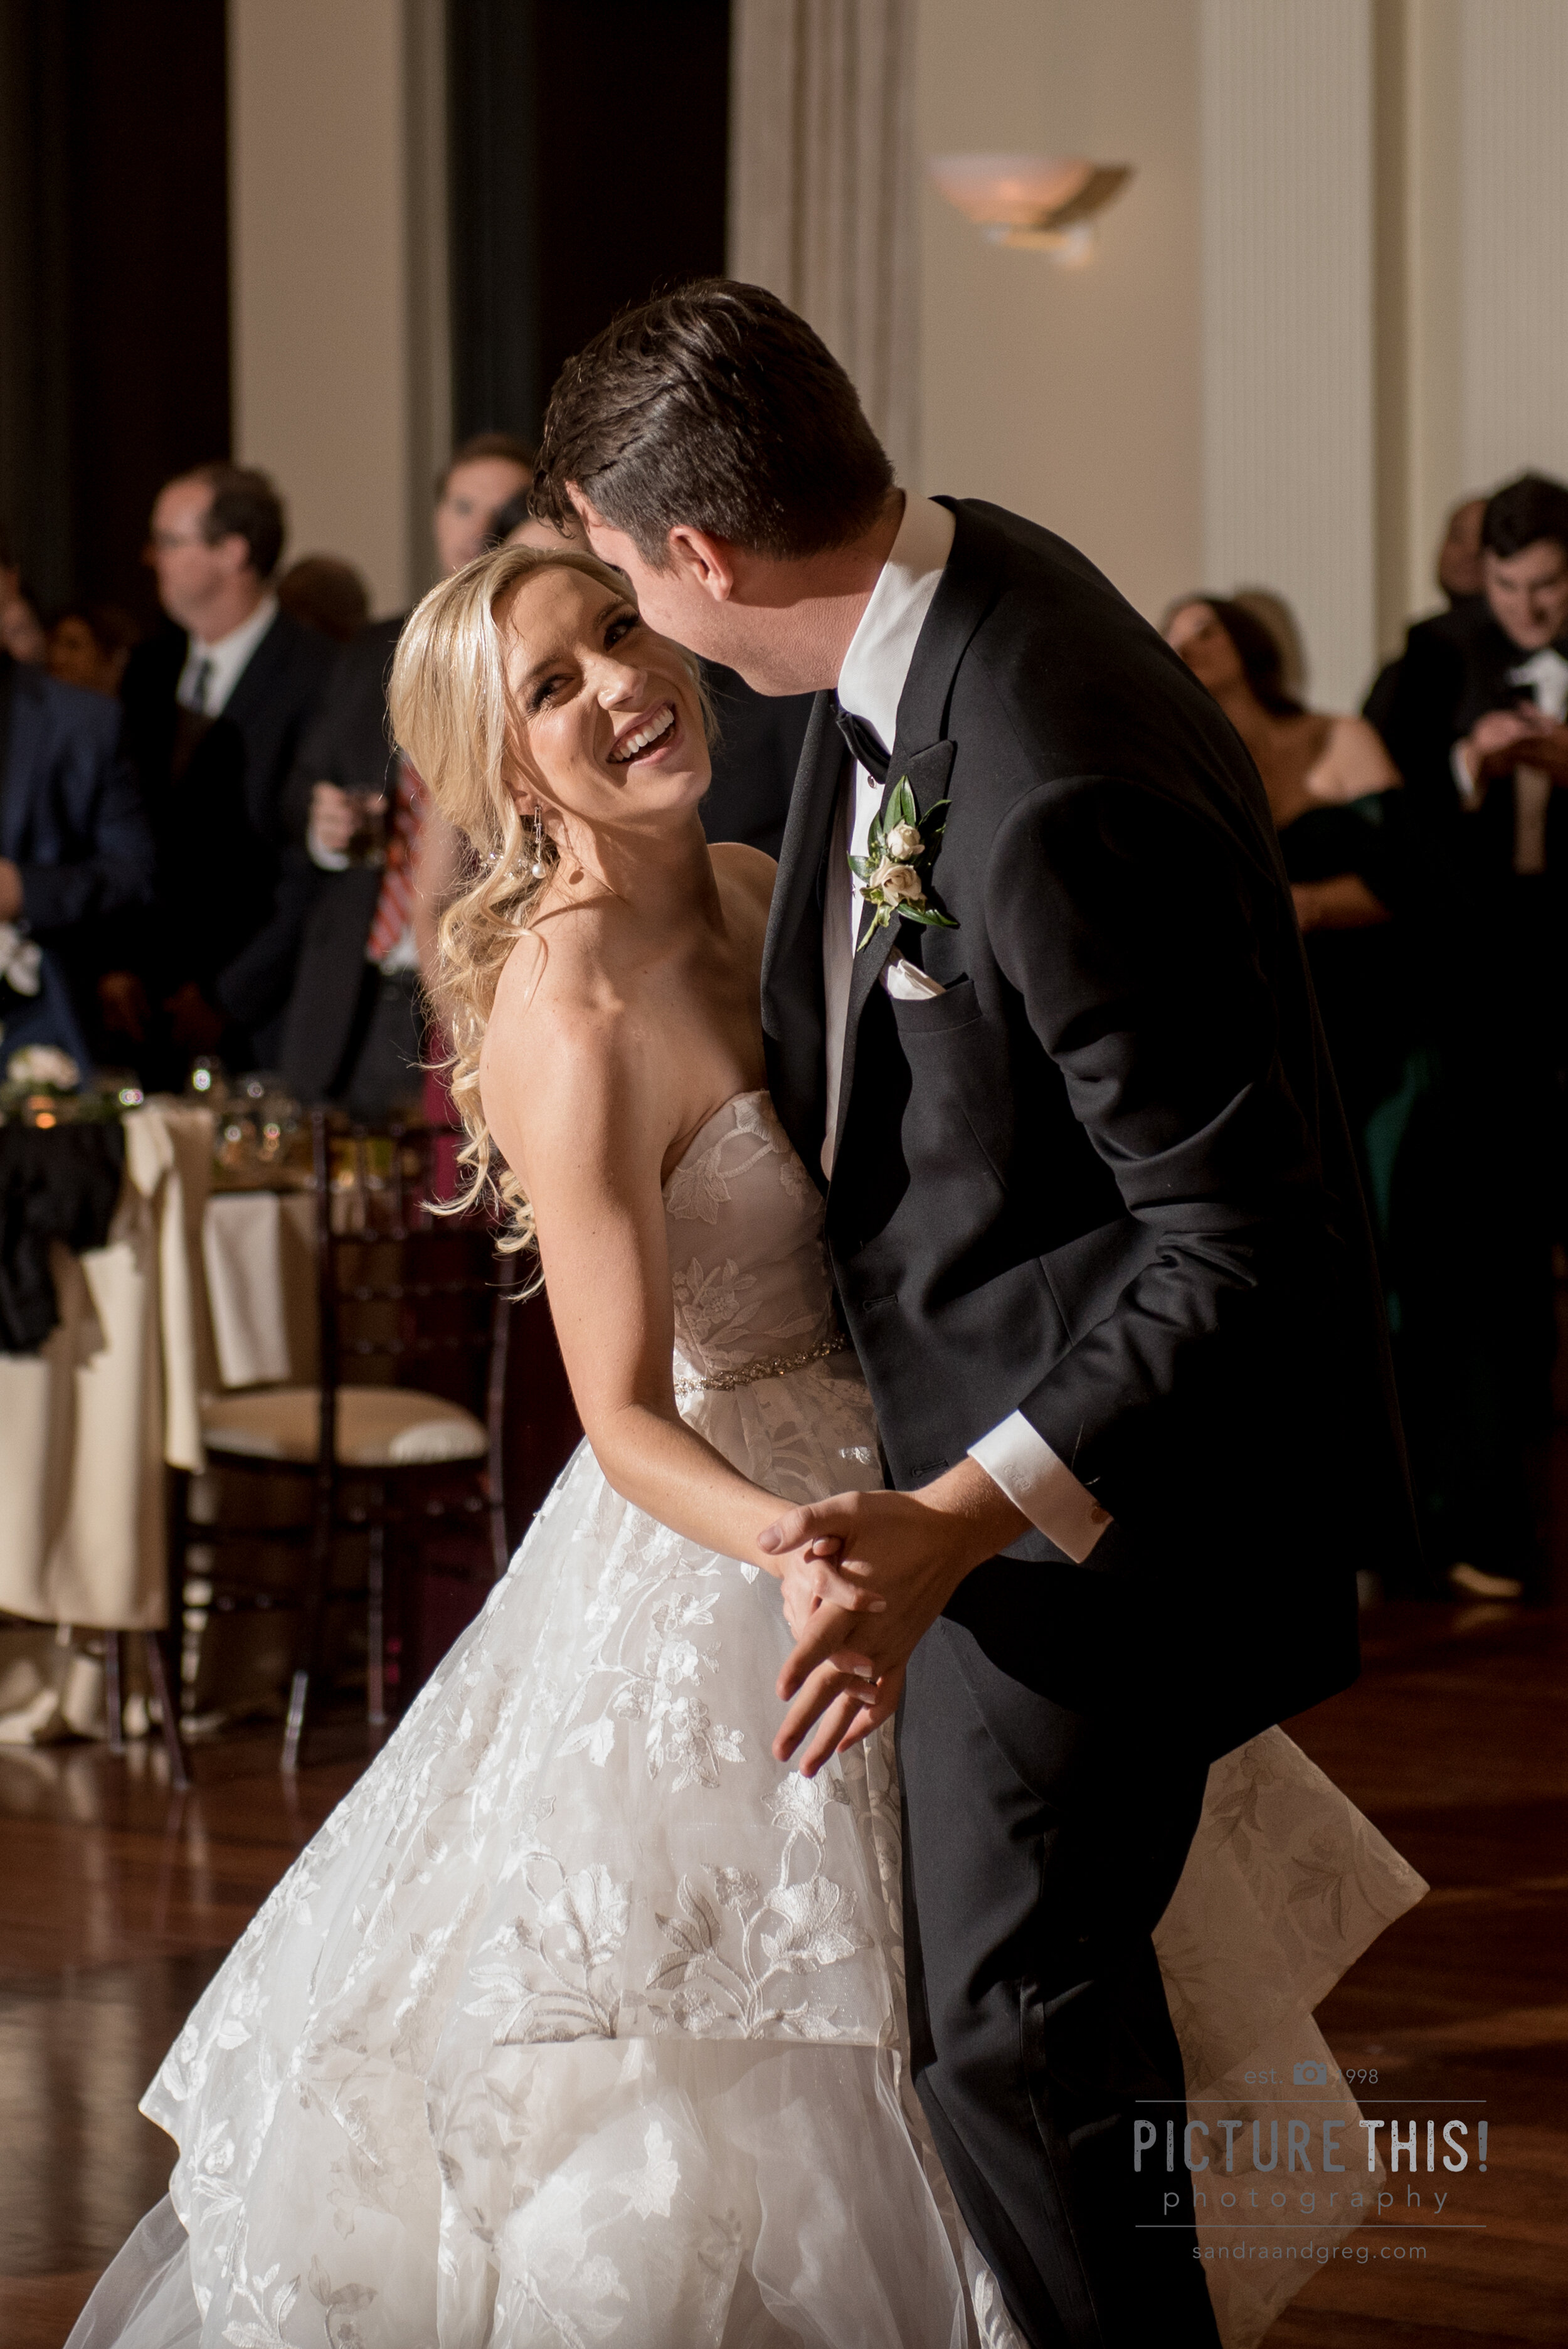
864	1576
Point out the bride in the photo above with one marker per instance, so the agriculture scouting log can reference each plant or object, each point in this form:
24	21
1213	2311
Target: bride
581	2019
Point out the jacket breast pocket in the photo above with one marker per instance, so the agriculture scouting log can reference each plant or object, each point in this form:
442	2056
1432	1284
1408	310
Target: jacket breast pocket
936	1015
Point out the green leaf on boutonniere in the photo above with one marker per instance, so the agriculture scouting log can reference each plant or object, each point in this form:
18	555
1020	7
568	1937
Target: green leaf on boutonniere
929	916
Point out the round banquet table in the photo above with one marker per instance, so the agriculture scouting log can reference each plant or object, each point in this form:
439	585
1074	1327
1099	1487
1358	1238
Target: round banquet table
162	1290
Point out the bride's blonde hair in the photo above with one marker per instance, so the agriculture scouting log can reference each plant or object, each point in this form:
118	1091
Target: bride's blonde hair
453	720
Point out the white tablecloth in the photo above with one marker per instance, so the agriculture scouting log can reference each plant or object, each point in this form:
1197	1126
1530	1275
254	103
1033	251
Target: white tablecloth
87	1424
192	1292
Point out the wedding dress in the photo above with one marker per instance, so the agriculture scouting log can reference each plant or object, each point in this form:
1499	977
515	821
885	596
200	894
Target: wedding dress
580	2020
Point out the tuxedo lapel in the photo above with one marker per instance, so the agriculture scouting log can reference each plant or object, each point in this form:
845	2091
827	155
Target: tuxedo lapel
793	1015
957	608
926	773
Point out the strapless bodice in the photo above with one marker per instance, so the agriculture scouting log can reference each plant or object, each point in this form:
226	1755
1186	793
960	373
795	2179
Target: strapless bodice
747	1264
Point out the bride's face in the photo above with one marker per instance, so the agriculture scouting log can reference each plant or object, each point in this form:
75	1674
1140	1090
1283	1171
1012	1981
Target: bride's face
608	727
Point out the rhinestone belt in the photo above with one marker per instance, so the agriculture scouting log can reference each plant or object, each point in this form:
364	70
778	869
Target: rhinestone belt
776	1366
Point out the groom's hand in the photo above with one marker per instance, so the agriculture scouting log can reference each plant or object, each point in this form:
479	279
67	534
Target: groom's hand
911	1550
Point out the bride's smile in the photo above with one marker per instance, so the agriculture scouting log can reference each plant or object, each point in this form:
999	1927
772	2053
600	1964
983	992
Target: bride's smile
652	738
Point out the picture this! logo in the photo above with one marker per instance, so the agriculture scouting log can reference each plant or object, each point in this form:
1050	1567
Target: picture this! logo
1310	2075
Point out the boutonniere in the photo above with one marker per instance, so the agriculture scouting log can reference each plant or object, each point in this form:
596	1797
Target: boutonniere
893	873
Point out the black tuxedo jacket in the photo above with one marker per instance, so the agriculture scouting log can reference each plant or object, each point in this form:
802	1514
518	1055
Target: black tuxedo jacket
230	901
1104	1178
349	740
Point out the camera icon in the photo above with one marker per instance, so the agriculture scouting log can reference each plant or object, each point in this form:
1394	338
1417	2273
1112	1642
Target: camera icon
1311	2075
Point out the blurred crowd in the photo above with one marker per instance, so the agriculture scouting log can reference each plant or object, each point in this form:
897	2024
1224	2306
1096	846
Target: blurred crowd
211	852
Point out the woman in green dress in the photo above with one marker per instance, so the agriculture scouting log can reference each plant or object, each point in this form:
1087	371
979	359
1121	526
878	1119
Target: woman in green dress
1370	913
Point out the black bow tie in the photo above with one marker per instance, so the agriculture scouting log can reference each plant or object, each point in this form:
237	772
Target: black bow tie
865	743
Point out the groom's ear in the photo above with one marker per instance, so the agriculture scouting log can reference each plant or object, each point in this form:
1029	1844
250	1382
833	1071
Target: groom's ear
703	561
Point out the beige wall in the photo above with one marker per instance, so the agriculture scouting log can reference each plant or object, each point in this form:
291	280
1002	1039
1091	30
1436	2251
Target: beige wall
1072	396
337	272
1289	407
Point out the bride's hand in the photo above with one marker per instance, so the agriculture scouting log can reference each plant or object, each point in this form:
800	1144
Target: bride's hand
809	1578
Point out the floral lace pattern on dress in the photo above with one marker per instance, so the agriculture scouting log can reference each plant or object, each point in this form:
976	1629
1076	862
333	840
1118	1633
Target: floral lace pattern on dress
579	2021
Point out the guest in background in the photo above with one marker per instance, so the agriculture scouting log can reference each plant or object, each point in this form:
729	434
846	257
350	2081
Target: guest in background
354	1030
323	593
89	645
1362	882
1326	781
216	705
481	476
1478	725
74	851
20	634
1281	622
1459	578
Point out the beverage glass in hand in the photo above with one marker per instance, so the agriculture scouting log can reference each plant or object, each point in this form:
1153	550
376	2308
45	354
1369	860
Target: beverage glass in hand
368	841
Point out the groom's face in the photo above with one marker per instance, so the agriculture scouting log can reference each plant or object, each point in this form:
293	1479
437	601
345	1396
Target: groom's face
678	601
754	613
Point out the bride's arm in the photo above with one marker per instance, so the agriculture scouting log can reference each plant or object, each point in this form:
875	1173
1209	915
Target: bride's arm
583	1116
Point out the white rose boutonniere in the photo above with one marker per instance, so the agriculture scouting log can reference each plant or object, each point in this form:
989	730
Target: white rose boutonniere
892	875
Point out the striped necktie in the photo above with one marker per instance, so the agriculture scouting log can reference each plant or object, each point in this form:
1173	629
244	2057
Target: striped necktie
395	906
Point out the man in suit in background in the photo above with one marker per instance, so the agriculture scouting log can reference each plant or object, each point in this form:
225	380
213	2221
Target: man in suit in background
354	1024
75	850
1459	578
1478	725
215	708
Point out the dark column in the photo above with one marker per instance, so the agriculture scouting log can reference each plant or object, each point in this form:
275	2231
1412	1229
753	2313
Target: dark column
588	166
114	283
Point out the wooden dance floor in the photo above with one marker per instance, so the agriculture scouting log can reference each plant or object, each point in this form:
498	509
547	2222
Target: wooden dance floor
117	1902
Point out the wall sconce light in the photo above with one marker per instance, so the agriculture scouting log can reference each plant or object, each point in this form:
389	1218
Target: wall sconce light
1036	203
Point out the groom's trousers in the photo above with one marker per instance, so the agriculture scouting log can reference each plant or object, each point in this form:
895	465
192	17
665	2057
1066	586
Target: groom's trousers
1049	1803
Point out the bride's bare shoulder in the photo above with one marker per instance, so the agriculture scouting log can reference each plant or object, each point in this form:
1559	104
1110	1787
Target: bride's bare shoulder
745	869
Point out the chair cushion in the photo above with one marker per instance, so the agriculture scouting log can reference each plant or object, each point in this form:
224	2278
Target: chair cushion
378	1427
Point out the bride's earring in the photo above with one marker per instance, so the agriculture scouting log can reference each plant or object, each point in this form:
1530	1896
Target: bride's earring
537	867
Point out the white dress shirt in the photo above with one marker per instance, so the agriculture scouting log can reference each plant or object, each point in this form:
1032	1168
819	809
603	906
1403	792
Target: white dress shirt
1546	674
871	687
216	669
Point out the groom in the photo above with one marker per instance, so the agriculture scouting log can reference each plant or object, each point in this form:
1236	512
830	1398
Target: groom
1095	1229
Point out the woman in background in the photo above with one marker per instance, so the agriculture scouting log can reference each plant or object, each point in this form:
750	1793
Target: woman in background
1370	919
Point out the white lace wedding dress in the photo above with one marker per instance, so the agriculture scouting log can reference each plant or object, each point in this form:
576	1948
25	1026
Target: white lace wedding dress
580	2020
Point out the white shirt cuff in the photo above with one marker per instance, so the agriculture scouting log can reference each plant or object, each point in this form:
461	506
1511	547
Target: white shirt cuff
1463	781
329	860
1016	1457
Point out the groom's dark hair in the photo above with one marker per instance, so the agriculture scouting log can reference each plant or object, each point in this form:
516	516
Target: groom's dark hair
713	406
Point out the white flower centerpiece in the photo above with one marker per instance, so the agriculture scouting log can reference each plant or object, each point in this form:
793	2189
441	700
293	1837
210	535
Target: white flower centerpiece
893	873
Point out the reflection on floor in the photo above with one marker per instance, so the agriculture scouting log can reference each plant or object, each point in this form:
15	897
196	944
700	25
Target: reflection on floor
117	1902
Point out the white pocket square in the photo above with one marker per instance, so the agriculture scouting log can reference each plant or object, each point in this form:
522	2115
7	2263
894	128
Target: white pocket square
908	981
